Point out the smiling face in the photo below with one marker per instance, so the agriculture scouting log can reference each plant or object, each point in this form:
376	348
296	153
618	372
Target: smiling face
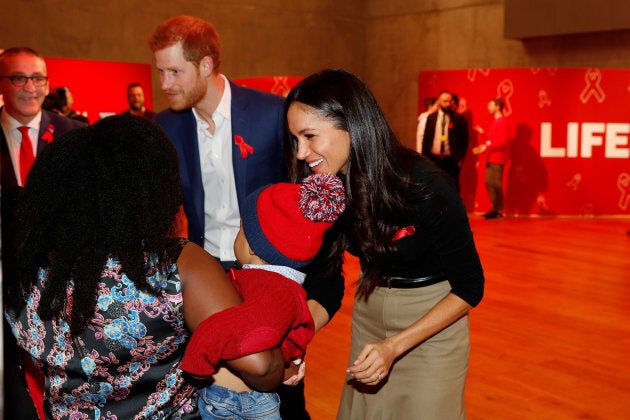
23	102
180	80
323	146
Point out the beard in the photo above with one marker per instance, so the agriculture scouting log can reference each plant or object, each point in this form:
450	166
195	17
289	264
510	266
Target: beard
189	98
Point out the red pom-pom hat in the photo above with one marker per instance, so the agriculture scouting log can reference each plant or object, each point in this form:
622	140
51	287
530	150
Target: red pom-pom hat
285	223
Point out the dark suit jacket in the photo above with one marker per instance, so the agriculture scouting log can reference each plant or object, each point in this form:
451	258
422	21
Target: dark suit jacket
51	122
56	125
457	136
258	118
146	114
51	125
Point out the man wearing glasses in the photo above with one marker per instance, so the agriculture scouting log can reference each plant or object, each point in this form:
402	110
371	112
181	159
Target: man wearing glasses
26	131
24	85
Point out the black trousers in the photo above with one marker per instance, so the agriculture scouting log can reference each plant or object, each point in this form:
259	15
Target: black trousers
292	402
17	401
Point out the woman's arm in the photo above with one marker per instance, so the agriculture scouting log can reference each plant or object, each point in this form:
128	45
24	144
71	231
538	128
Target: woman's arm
206	291
448	231
377	358
319	313
324	293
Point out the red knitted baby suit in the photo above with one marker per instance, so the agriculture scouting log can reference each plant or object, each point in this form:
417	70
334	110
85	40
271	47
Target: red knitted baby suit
302	327
272	304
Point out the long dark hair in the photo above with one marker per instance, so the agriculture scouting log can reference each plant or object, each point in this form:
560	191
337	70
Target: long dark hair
378	177
112	189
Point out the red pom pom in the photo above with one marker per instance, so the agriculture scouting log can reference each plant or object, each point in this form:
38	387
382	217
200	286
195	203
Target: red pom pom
322	197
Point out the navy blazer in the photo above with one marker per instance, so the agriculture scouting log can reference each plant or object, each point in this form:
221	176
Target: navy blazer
258	118
56	124
51	127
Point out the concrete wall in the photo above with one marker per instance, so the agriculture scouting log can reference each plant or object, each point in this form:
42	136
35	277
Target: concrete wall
385	43
404	37
266	37
535	18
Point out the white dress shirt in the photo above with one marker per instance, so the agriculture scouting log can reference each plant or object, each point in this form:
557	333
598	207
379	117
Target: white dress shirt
222	217
14	138
442	118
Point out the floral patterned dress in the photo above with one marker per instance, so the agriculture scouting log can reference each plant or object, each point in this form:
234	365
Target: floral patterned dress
125	365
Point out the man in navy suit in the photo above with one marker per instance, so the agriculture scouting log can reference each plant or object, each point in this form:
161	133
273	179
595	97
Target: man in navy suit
24	85
229	143
228	138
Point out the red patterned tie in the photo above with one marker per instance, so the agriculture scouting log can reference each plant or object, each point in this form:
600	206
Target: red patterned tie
26	154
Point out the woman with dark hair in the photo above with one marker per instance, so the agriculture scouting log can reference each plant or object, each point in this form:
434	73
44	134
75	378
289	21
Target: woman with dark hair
104	296
420	271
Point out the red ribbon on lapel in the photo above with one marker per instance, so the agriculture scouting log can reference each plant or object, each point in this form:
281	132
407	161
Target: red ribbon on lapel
48	134
244	147
406	231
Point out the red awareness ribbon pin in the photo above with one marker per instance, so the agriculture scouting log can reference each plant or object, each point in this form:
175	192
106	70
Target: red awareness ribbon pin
406	231
244	147
48	134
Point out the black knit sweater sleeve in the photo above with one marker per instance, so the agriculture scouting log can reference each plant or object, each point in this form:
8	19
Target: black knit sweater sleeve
443	241
322	286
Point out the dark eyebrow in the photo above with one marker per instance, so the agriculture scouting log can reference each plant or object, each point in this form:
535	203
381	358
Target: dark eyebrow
21	73
305	129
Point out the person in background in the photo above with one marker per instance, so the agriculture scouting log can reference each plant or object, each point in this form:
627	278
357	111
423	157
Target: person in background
1	100
65	101
229	143
420	271
105	295
52	104
495	146
282	229
24	86
455	103
135	98
430	106
26	131
445	139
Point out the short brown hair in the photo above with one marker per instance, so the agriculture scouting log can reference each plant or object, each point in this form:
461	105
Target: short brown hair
12	52
499	102
198	37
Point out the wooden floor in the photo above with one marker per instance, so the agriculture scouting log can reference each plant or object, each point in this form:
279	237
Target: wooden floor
551	338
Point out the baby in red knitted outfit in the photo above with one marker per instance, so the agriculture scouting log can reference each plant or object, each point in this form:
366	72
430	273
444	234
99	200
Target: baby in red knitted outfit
282	227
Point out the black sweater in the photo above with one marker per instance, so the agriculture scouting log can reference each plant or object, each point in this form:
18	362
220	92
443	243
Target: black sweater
442	242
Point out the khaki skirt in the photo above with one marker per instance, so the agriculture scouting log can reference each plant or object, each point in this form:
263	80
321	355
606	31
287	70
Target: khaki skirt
427	382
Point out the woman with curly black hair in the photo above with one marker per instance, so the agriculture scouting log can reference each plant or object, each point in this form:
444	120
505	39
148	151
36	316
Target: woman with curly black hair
420	271
104	296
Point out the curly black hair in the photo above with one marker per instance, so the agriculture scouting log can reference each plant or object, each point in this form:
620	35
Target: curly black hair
111	189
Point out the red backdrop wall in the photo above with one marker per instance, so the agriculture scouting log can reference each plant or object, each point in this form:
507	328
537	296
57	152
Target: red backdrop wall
99	87
279	85
569	148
